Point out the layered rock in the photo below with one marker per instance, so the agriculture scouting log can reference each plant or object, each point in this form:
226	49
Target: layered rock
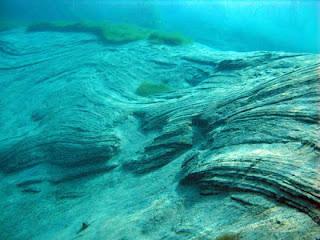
262	139
243	128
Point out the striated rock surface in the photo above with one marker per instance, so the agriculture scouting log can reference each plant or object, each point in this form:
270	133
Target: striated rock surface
257	142
232	150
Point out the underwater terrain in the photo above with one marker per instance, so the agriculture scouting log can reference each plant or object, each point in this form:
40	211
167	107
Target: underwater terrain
118	132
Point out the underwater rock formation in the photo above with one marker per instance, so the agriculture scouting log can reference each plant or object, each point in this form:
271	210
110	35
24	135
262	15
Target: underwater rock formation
257	142
231	149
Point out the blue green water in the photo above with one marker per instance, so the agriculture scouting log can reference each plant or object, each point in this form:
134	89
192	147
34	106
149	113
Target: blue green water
159	120
241	25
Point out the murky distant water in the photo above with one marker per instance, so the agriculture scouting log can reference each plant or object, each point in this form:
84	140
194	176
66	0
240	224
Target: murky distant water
243	25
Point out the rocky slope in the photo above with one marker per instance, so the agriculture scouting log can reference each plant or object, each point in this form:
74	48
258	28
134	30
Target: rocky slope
233	148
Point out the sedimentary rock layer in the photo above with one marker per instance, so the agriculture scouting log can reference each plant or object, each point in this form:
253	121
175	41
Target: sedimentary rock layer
243	128
262	139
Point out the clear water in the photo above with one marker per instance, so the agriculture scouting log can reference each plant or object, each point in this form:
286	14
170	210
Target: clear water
159	120
241	25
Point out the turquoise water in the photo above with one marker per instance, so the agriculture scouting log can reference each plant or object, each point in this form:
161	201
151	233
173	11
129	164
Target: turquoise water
159	120
241	25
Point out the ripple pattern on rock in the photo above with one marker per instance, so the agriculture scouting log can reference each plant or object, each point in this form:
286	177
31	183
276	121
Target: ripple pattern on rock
240	128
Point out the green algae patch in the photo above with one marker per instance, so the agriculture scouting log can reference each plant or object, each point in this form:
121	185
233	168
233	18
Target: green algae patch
53	26
112	33
123	33
147	89
108	33
172	39
228	236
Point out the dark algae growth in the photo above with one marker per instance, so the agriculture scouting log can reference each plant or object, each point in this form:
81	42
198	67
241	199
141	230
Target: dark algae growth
168	38
111	33
146	88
